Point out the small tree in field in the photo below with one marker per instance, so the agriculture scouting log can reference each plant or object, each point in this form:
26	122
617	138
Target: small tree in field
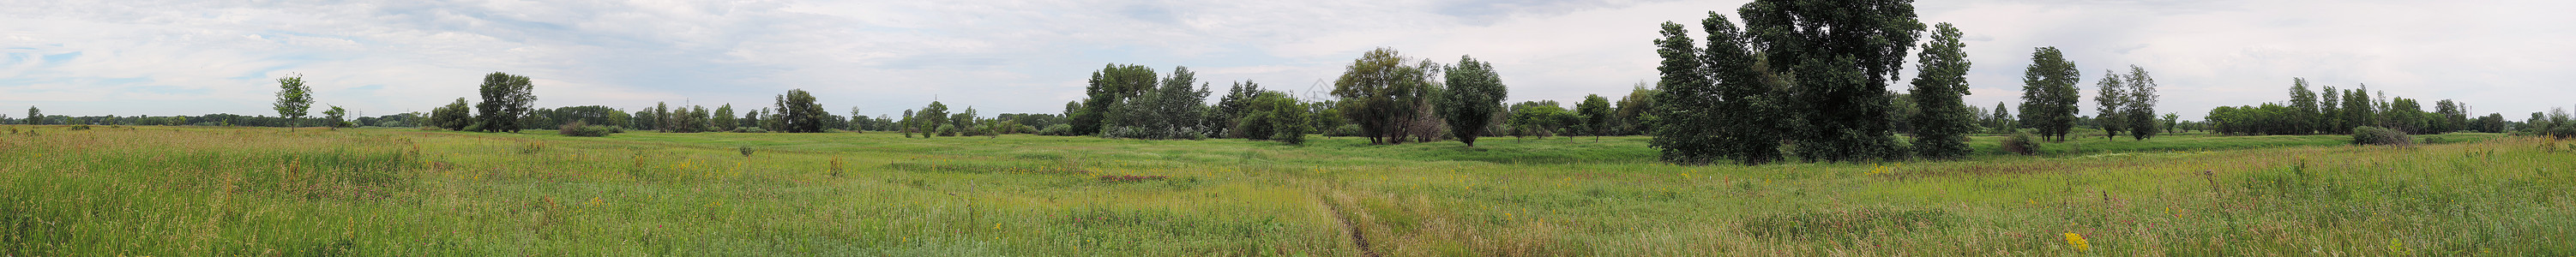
337	116
1475	92
293	99
505	98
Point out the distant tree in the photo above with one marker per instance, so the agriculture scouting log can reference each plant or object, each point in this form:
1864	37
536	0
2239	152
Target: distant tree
2330	111
1288	118
858	122
724	120
2049	94
337	116
2110	98
1632	108
2303	105
505	98
1172	111
930	117
1840	55
1540	118
908	125
662	119
455	116
2451	116
1111	86
1380	92
35	116
2003	119
2172	122
1231	108
798	113
1475	92
1941	131
2356	109
1686	122
2140	106
293	99
2406	115
1596	114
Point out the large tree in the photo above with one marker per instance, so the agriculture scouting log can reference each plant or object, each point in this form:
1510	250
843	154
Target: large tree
724	121
337	116
2139	107
2330	111
1109	88
455	116
798	113
1840	54
1475	93
505	98
2356	109
35	116
1941	131
294	99
1381	91
2303	105
2110	99
1596	114
2003	119
1685	123
2048	93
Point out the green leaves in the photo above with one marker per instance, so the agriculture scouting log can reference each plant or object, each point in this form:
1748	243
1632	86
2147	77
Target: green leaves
1941	130
505	98
2048	93
1475	93
294	99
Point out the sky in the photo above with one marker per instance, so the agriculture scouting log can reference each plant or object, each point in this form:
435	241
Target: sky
193	57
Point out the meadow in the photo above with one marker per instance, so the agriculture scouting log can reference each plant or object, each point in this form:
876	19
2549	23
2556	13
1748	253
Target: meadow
196	191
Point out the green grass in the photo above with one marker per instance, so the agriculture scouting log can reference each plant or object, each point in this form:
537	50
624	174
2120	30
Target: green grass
262	191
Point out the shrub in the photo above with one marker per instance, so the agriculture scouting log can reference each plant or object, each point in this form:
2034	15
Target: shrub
1344	131
2368	135
947	130
80	127
1057	130
2021	143
746	150
584	129
751	130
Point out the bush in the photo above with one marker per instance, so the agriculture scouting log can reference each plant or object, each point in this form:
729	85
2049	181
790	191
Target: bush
751	130
80	127
2368	135
1057	130
584	129
947	130
1344	131
2021	143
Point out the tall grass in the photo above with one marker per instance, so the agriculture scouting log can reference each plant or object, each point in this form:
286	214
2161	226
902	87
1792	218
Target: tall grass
260	191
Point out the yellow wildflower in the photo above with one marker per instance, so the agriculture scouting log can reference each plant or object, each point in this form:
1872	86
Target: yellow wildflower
2078	241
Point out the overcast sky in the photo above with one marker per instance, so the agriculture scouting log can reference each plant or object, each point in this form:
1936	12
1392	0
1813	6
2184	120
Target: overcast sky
191	57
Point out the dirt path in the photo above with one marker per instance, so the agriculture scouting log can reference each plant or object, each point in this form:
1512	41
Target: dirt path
1358	238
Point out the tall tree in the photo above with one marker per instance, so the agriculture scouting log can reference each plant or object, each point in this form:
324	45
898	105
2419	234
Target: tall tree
2049	95
2110	98
1841	55
2303	105
798	113
1231	108
35	116
1109	88
724	121
1596	114
2140	106
1685	122
505	98
930	118
2356	109
2004	122
1475	92
2450	117
2329	111
1380	92
1941	131
293	99
455	116
1633	108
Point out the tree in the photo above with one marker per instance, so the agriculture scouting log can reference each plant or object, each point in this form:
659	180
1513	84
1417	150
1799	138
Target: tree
1941	131
1110	87
2110	99
2003	119
2049	95
1475	92
2139	109
2450	116
2303	104
1380	92
455	116
1236	104
1632	108
337	116
1685	123
1840	55
724	120
505	98
930	118
1540	118
2330	111
799	114
35	116
2357	109
2406	115
293	99
1596	114
908	125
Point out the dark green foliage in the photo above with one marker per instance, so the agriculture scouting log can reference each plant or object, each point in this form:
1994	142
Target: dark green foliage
2049	95
1172	111
1940	132
1630	120
583	129
2138	110
2020	143
1541	119
724	121
337	116
1728	107
1110	87
2357	110
505	98
35	116
1231	108
798	113
2002	121
1277	117
2368	135
947	130
2109	100
1052	130
930	118
1840	55
2448	116
1475	92
293	98
1685	122
2304	112
1382	91
2405	115
1596	112
455	116
2330	112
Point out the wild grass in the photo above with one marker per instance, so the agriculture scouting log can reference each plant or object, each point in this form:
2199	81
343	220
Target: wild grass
259	191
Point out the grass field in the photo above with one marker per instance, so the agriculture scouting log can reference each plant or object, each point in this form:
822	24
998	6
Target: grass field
195	191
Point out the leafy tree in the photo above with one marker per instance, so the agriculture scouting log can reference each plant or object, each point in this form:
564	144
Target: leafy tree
2356	109
1596	114
1541	118
1380	91
505	98
1171	111
798	113
2407	116
2003	119
1236	104
2450	117
2110	100
2049	95
2330	111
1288	118
455	116
930	117
1108	88
337	116
1632	108
2303	104
1686	120
908	124
35	116
2139	108
724	120
1941	131
1840	55
293	98
1475	92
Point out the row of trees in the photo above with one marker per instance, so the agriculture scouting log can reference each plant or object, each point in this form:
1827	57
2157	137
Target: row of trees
1809	74
2337	111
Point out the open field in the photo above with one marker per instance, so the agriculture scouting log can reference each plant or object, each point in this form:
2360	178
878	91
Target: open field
194	191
